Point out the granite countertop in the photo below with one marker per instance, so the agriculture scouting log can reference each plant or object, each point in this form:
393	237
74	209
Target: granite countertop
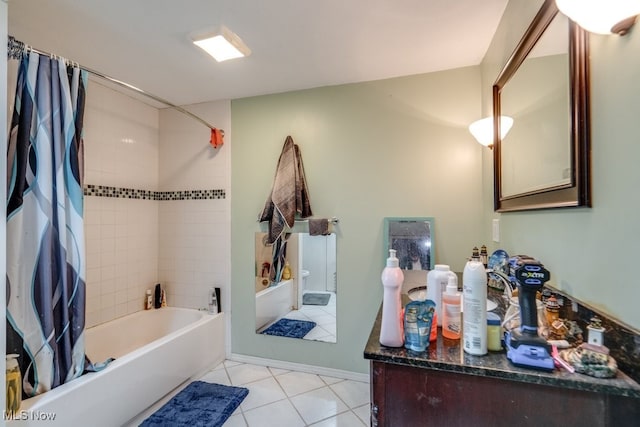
448	356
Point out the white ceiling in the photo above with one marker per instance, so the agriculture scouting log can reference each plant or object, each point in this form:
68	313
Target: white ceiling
296	44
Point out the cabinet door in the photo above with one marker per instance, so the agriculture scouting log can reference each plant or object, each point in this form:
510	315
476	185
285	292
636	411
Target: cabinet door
407	396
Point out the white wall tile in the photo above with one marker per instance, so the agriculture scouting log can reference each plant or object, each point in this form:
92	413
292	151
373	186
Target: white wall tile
121	150
133	244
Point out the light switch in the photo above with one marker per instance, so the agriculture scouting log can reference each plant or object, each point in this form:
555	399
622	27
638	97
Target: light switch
496	230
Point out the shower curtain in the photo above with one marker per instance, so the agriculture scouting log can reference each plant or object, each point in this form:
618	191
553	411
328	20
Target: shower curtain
45	232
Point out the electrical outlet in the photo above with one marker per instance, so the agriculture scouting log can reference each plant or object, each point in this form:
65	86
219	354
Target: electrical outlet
495	229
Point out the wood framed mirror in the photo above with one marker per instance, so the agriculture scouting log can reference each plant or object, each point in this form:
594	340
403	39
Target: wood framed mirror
544	161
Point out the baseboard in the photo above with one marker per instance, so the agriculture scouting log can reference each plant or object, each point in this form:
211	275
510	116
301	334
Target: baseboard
318	370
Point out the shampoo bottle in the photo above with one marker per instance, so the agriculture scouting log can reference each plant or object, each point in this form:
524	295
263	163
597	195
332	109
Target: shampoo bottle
474	325
451	310
391	330
148	300
286	272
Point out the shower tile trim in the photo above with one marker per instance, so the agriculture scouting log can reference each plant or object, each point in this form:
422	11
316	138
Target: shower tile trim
132	193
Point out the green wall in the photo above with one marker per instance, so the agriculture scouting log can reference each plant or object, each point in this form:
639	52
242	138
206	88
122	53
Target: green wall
400	147
591	253
397	147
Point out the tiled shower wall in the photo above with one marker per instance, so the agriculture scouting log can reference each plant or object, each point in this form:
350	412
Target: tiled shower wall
156	208
195	234
121	234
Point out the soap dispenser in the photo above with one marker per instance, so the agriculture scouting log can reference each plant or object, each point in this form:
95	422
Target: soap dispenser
391	331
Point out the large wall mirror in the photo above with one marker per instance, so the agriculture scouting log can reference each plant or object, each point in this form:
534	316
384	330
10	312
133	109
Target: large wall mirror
296	287
543	162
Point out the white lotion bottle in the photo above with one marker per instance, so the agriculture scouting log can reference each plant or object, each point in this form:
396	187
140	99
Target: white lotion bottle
391	330
437	280
474	294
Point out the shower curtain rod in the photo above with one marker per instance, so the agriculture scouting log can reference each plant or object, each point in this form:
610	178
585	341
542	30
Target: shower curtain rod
15	48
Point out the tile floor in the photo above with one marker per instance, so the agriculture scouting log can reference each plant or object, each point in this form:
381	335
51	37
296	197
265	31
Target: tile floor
323	315
283	398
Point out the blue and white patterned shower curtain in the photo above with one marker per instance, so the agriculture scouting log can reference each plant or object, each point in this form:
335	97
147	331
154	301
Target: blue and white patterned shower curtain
45	234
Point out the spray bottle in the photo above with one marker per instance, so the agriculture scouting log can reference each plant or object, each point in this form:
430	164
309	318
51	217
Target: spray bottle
391	330
474	325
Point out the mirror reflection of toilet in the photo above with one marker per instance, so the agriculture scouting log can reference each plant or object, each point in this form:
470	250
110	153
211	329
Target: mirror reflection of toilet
304	274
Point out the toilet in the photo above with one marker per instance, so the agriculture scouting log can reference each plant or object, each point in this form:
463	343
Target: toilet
305	274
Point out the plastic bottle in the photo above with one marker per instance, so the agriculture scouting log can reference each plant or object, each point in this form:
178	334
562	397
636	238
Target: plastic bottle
451	310
417	324
436	284
411	333
474	324
286	272
13	382
213	301
163	299
148	302
494	340
433	336
391	330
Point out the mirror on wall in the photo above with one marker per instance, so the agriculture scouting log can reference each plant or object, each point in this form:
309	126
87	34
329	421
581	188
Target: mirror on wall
412	238
296	287
543	162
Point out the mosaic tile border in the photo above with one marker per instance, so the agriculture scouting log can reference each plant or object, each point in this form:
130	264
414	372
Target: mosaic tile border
132	193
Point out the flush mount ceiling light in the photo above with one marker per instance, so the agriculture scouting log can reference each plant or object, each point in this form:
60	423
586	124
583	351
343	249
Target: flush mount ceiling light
602	16
222	45
482	129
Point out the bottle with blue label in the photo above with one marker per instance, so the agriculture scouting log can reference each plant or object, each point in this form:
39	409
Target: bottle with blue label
418	316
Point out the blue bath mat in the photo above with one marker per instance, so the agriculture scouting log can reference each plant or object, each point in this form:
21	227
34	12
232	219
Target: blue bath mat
290	328
200	404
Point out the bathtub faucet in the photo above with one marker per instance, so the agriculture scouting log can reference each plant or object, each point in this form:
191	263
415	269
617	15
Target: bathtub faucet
213	301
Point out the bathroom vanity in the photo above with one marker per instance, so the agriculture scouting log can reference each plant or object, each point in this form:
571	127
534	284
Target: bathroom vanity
445	386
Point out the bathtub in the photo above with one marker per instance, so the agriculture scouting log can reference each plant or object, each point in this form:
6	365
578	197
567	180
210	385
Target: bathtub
155	351
274	302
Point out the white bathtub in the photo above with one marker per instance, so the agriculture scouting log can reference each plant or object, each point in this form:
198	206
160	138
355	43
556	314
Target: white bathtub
274	302
155	351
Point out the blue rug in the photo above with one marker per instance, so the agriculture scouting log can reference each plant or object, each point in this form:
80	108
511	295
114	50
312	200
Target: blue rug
315	299
200	404
290	328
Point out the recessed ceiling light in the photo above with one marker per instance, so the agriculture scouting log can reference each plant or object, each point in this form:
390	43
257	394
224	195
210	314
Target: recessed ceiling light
223	45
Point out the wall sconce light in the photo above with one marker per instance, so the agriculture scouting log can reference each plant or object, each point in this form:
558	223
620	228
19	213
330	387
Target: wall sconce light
223	45
601	16
482	130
